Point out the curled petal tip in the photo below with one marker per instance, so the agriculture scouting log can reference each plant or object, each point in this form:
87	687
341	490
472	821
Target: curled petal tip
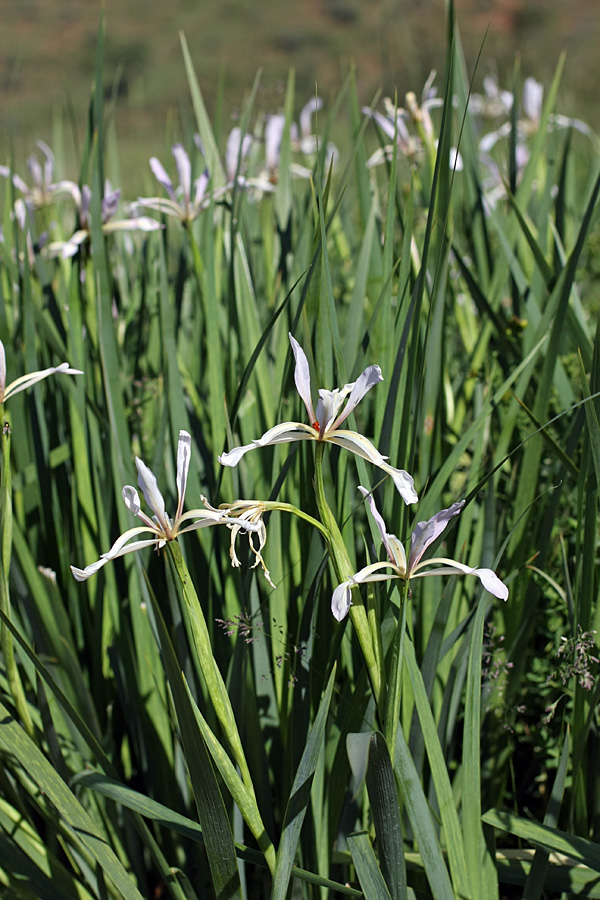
341	601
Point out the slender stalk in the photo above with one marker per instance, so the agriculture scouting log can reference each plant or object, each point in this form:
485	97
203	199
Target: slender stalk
270	505
392	710
222	705
210	670
6	640
368	638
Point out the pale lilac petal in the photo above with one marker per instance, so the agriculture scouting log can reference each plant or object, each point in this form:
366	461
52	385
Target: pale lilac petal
70	247
273	137
184	449
200	186
329	405
371	376
117	549
110	204
393	546
35	170
2	372
341	601
341	598
206	517
149	487
139	223
488	578
26	381
68	187
374	572
48	163
359	444
21	213
160	173
302	377
533	96
162	205
84	209
236	151
84	574
425	533
285	433
306	114
131	498
385	124
184	170
489	140
20	184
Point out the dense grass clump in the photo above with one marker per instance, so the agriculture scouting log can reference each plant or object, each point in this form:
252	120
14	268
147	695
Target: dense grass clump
234	679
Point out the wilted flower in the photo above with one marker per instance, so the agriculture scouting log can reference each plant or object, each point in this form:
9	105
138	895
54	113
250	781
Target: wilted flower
324	425
42	190
239	513
424	534
181	204
110	203
25	381
160	525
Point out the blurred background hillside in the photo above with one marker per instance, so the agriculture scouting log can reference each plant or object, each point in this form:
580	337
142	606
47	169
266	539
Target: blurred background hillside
48	49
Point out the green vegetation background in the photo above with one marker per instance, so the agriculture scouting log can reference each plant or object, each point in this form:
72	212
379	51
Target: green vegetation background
48	52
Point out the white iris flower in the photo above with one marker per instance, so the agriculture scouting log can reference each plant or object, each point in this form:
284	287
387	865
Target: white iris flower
25	381
324	424
160	525
425	533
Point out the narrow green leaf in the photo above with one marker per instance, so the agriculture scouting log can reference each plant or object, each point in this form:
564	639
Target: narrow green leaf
211	151
212	814
579	849
300	797
15	742
421	820
381	785
169	818
369	873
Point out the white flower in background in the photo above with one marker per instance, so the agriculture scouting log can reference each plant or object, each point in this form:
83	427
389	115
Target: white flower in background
237	150
424	534
26	381
396	120
159	524
42	190
494	103
302	140
394	127
324	424
110	203
186	200
529	122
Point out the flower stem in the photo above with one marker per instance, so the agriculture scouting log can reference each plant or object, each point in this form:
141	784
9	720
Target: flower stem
368	638
6	640
221	703
392	710
210	670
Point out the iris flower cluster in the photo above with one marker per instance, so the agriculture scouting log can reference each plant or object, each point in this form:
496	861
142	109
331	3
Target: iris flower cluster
324	426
